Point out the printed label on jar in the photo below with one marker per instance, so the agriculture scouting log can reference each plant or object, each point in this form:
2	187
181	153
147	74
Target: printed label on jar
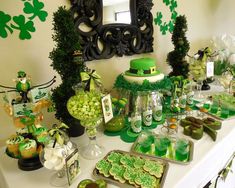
190	98
147	117
157	113
136	124
183	100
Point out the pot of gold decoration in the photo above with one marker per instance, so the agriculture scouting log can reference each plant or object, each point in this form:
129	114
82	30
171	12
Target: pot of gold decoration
118	121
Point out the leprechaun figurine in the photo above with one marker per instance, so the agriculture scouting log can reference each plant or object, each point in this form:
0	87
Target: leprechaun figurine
23	86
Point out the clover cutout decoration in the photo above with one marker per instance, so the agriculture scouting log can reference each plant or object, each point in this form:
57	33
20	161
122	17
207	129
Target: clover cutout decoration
167	26
22	23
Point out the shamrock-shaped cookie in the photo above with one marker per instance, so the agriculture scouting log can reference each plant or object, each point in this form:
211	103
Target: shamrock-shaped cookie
117	172
145	180
114	157
127	161
154	168
130	174
139	163
104	166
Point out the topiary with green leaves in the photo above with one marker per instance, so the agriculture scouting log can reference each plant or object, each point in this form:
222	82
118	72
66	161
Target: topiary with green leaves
65	62
176	58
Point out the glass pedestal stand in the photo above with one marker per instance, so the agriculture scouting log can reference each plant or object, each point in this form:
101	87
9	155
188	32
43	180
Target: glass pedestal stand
59	179
93	150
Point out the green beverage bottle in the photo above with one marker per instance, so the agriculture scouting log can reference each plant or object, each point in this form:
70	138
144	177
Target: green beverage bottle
136	122
157	107
183	101
148	113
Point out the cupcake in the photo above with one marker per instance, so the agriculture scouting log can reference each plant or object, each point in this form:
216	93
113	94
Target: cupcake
13	145
41	134
28	148
22	132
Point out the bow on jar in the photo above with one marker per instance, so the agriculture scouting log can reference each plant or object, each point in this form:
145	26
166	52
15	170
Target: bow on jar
91	79
58	133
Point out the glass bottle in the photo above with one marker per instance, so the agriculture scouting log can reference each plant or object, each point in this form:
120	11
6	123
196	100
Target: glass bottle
157	107
232	87
182	99
147	112
190	94
136	122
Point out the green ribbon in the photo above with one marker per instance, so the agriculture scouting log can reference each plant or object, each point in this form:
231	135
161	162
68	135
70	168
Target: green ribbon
91	78
58	134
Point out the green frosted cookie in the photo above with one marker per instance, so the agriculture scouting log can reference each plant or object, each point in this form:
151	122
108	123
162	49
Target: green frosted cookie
127	161
104	166
130	174
114	157
117	172
145	180
154	168
139	163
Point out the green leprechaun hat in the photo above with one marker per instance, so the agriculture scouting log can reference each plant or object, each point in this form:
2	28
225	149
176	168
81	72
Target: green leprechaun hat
21	74
142	67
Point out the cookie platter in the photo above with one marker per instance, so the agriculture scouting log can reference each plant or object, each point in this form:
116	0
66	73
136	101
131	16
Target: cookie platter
128	170
170	151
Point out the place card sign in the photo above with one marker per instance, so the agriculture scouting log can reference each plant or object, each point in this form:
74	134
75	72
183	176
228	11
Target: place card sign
20	109
209	69
72	166
107	108
39	94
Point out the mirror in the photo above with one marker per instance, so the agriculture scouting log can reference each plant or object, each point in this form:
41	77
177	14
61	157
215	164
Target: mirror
101	40
116	11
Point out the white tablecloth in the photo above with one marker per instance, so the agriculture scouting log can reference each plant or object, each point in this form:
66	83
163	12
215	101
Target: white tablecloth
209	157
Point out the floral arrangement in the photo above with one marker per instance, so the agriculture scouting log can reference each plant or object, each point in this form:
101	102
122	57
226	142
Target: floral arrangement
225	60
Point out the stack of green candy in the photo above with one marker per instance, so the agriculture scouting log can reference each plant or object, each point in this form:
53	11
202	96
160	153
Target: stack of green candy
85	105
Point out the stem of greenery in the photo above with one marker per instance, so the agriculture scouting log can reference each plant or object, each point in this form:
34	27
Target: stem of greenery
176	58
64	62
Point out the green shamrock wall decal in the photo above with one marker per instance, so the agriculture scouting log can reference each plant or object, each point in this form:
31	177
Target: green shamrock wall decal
24	24
167	26
35	9
24	27
5	18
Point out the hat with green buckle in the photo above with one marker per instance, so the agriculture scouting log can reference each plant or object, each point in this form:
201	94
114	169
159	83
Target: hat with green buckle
142	67
21	74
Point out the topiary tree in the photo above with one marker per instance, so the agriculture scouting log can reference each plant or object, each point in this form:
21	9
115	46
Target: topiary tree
66	62
176	58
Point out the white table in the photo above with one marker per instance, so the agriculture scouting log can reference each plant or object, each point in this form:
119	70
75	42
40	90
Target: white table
209	158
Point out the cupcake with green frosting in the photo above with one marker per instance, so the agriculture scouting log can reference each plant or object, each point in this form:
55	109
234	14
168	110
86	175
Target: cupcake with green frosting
41	134
13	144
28	148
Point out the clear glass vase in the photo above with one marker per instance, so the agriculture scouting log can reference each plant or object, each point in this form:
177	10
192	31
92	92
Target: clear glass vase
92	150
53	158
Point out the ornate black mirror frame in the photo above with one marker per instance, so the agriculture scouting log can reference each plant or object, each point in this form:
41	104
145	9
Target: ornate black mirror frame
120	39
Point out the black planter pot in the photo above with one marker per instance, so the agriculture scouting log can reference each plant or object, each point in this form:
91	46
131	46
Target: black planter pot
75	128
205	85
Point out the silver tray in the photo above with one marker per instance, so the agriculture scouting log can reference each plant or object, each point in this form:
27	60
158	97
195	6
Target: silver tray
190	158
126	185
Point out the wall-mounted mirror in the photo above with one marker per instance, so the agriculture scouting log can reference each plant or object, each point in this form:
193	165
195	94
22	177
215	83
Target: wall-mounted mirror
109	27
116	11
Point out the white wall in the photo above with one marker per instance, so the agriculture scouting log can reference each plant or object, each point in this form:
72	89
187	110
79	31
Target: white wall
205	19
